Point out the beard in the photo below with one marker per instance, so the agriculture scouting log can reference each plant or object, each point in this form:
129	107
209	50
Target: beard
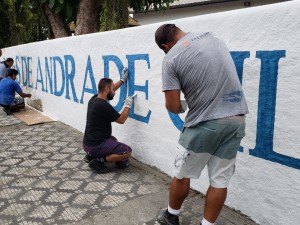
110	96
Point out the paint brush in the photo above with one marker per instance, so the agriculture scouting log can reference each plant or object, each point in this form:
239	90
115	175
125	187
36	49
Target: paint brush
135	94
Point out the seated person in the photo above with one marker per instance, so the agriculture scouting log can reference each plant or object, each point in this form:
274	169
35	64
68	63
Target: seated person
98	142
5	66
8	88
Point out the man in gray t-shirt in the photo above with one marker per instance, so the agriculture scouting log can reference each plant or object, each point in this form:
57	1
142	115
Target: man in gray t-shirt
5	66
200	66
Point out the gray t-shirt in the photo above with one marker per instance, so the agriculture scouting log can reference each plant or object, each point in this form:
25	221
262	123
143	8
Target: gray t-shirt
200	65
3	70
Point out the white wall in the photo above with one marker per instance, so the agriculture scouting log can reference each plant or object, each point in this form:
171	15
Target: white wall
265	186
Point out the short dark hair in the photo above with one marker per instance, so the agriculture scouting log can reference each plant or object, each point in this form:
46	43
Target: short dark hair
165	33
9	60
12	72
103	83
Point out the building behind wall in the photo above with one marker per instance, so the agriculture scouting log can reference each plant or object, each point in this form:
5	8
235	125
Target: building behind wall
187	8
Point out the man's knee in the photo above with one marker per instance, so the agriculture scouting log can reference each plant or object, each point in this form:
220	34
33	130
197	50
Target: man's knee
184	182
217	193
127	150
128	154
180	188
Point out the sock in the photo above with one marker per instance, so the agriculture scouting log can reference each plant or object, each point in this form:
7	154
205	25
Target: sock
205	222
173	211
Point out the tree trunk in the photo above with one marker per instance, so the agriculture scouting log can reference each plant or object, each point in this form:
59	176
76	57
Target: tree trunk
88	16
58	26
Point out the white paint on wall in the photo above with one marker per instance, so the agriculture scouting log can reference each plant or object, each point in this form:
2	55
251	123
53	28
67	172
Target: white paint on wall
265	190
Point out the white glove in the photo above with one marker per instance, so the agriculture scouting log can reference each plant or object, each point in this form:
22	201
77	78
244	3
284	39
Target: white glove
124	74
128	101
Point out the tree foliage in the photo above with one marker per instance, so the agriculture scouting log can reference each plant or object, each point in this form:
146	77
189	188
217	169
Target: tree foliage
146	5
66	8
21	22
24	21
4	24
105	14
114	15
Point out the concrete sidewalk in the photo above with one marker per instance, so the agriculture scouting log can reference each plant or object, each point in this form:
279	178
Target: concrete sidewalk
45	181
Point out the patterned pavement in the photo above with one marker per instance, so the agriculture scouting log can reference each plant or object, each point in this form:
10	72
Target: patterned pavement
8	120
45	181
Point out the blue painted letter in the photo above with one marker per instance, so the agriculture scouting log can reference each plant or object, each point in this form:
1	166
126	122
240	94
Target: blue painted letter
39	71
61	91
266	110
48	75
29	72
123	89
88	70
70	77
238	59
17	68
23	76
132	87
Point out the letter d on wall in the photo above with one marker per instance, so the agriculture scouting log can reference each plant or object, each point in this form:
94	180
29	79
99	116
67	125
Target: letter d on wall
58	60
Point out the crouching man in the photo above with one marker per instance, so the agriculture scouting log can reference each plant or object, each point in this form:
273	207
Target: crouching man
98	142
8	88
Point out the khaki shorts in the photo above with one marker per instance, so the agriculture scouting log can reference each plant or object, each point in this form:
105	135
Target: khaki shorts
213	144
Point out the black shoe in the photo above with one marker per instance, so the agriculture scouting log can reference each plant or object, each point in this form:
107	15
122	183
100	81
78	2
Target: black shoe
7	111
87	158
166	218
122	164
98	166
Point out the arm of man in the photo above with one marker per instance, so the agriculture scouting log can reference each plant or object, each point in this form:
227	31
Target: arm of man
124	115
123	79
24	95
173	103
117	85
20	92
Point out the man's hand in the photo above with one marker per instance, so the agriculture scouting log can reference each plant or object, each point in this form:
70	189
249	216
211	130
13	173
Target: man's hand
124	74
124	115
183	105
24	95
128	101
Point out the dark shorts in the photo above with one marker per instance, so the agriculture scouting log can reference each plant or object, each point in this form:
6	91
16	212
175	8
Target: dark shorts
17	104
108	147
